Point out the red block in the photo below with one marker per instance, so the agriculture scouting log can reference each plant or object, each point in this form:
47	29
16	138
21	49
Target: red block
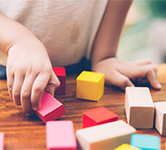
98	116
61	74
50	109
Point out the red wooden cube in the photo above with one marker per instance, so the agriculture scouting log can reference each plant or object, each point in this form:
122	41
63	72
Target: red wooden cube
61	74
98	116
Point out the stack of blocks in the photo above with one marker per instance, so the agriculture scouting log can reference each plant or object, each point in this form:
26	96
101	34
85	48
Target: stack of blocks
61	74
90	85
101	127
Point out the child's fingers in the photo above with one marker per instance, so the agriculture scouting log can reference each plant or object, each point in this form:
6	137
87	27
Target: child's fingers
38	88
151	77
16	91
10	80
141	71
26	94
119	80
144	62
53	84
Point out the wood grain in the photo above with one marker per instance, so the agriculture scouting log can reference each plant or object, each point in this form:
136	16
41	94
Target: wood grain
28	133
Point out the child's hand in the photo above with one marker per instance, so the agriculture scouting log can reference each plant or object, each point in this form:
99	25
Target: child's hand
122	74
29	73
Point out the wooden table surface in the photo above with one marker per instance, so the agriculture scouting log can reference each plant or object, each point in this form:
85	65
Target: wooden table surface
29	133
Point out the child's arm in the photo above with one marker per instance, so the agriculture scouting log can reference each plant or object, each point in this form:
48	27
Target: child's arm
29	71
105	47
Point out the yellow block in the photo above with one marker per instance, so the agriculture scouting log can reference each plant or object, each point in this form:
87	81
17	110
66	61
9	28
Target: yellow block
90	85
126	147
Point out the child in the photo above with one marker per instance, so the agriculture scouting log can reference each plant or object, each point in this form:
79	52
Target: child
40	34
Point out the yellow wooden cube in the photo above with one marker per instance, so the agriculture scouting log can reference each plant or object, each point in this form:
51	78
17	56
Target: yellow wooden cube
90	85
126	147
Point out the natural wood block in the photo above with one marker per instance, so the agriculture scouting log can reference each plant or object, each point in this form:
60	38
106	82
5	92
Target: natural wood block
105	136
160	117
126	147
90	85
50	109
139	107
61	74
60	135
161	73
145	142
1	141
98	116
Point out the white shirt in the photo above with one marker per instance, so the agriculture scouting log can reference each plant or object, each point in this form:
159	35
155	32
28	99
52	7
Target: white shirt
66	27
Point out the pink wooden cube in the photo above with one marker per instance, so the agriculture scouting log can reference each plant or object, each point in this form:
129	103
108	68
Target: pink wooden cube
1	141
61	74
50	109
98	116
60	135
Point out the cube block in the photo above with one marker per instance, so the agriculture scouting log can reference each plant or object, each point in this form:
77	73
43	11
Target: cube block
50	109
126	147
145	142
160	117
61	74
1	141
98	116
90	85
105	136
139	107
60	135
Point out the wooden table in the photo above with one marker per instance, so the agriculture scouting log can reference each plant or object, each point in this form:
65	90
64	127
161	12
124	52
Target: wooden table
24	133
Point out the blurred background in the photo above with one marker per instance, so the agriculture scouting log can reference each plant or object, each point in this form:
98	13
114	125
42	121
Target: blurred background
144	33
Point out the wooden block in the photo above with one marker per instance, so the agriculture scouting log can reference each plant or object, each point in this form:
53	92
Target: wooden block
161	73
160	117
90	85
145	142
60	135
61	74
139	107
50	109
126	147
1	141
105	136
98	116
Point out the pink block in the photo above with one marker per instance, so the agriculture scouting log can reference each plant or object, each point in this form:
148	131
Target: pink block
98	116
50	109
60	135
1	141
61	74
